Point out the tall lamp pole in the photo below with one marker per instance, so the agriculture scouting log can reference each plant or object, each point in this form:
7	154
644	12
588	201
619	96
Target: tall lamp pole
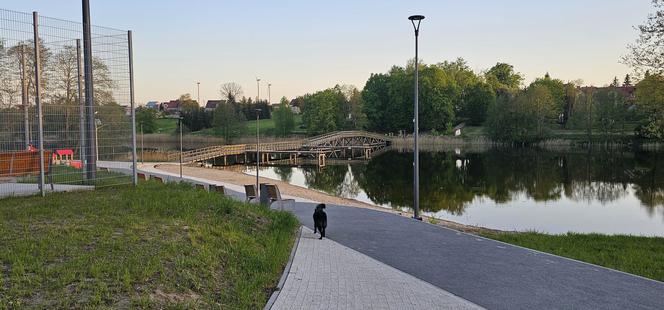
198	86
258	86
269	93
416	155
180	125
258	153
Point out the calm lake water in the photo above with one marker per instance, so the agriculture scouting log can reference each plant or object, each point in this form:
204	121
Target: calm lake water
610	192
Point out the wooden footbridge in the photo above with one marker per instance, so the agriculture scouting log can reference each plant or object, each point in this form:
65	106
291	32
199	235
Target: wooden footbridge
336	145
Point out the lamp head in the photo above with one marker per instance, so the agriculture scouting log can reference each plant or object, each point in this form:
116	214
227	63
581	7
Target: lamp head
416	17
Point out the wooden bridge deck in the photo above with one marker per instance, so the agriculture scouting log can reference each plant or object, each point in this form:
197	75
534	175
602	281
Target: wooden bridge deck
330	145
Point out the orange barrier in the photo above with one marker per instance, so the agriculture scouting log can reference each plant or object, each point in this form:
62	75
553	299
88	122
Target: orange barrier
22	163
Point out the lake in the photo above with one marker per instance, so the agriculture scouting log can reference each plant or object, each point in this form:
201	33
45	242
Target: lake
529	189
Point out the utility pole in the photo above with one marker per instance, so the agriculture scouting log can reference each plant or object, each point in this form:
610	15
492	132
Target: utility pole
258	85
91	154
24	99
81	104
38	103
198	85
258	152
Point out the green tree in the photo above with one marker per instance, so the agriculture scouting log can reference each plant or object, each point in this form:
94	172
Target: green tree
388	99
627	81
478	100
284	120
228	121
556	88
358	119
650	99
647	53
187	103
523	118
610	112
146	119
615	82
323	111
196	119
503	78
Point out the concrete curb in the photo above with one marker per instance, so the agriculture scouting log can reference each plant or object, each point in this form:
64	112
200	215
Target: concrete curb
284	275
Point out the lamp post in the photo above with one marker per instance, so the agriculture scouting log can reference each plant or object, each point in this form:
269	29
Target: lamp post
269	93
416	155
258	153
258	86
180	126
198	86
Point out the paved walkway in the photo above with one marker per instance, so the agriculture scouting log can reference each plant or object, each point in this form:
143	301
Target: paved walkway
327	275
28	189
491	274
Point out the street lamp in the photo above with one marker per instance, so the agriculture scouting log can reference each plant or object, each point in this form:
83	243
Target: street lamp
180	126
258	85
416	155
258	153
198	85
269	93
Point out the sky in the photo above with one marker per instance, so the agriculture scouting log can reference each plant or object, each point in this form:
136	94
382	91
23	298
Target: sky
303	46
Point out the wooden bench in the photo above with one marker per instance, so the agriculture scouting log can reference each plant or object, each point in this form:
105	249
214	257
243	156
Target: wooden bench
25	163
217	189
250	192
273	194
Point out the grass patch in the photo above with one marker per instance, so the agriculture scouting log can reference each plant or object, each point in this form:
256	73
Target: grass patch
267	128
62	174
166	125
642	256
154	246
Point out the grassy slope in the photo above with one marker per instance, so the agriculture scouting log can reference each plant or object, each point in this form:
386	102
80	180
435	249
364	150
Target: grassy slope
166	125
267	128
154	246
61	174
642	256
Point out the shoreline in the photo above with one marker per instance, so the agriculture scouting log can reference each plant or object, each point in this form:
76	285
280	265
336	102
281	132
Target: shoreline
287	189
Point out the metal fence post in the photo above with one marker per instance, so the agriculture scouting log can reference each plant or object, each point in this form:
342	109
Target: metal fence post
133	109
40	116
81	104
24	98
91	167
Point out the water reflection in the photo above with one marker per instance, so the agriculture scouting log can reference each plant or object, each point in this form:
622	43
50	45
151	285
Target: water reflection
464	186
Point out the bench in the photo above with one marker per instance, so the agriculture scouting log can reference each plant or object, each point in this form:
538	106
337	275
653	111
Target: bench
273	194
250	192
217	189
25	163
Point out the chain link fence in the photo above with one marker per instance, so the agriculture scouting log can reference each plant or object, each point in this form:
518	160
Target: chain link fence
50	138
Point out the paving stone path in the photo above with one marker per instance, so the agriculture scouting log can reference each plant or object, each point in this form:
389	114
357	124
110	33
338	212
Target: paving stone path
327	275
488	273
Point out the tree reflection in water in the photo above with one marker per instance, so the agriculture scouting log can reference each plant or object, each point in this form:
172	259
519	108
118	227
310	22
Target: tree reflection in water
451	181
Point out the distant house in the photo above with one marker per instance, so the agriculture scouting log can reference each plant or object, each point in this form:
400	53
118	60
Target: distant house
152	105
296	110
628	92
212	105
171	107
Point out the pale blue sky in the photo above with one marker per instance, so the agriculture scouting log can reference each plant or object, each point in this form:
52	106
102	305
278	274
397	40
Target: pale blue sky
304	46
